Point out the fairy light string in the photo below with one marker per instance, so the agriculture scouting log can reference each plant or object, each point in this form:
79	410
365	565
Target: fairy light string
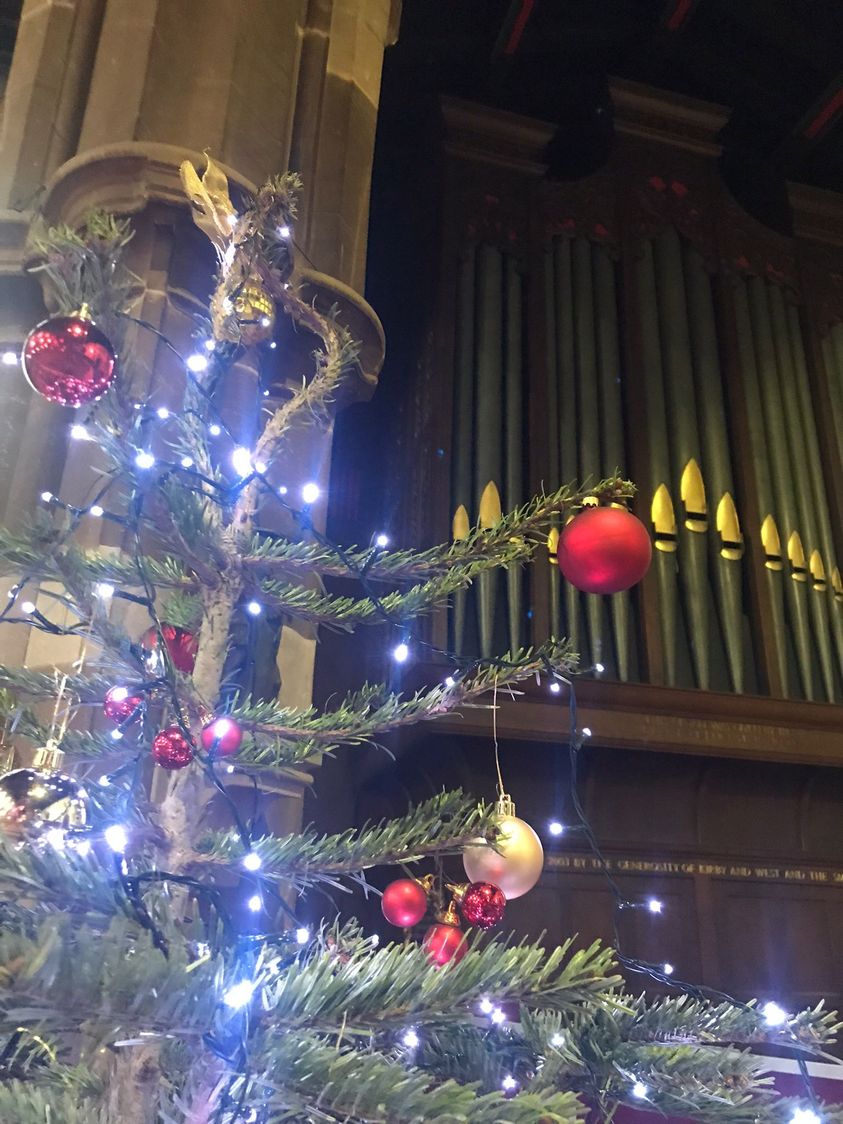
224	494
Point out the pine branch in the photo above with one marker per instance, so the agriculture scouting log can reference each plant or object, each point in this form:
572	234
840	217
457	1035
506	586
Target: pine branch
364	716
443	825
514	538
32	552
326	1082
368	991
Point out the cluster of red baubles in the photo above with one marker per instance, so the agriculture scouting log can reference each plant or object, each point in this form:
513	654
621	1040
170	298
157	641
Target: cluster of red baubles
480	904
222	736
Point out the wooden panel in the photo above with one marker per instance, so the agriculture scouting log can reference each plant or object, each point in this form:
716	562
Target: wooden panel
793	934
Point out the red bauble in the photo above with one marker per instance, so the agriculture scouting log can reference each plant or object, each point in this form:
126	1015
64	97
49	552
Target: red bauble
68	360
120	704
404	903
222	736
604	550
445	943
171	749
181	644
482	904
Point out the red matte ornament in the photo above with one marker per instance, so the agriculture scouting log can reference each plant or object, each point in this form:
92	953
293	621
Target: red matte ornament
482	904
222	736
445	943
68	360
404	903
181	644
171	749
120	704
604	550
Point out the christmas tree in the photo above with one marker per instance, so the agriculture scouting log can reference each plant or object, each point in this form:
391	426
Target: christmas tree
130	991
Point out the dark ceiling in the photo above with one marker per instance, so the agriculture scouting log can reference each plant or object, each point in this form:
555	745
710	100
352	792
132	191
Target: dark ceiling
776	64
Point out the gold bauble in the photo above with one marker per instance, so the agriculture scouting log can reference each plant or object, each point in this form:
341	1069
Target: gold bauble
32	799
515	866
254	311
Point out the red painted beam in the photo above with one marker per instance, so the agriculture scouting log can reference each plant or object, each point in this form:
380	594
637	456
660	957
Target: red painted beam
677	13
516	29
823	117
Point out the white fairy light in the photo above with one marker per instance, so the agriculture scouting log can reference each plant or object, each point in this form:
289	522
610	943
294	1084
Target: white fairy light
555	827
410	1039
163	413
10	359
401	652
239	994
214	429
375	940
105	590
273	344
668	969
252	861
116	734
283	489
241	461
260	466
56	838
105	780
497	1016
640	1090
558	1039
509	1083
774	1015
47	497
586	731
265	321
27	606
209	345
555	687
283	232
450	681
255	903
197	362
96	511
82	847
254	608
486	1005
302	935
805	1116
116	837
78	432
382	540
144	459
230	768
310	492
655	905
187	462
599	668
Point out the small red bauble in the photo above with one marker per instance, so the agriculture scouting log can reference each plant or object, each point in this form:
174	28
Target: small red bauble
604	550
482	904
68	360
222	736
120	704
404	903
171	749
445	943
181	644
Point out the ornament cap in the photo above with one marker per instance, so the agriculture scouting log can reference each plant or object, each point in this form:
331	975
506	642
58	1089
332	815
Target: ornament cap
457	890
505	805
449	916
49	756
